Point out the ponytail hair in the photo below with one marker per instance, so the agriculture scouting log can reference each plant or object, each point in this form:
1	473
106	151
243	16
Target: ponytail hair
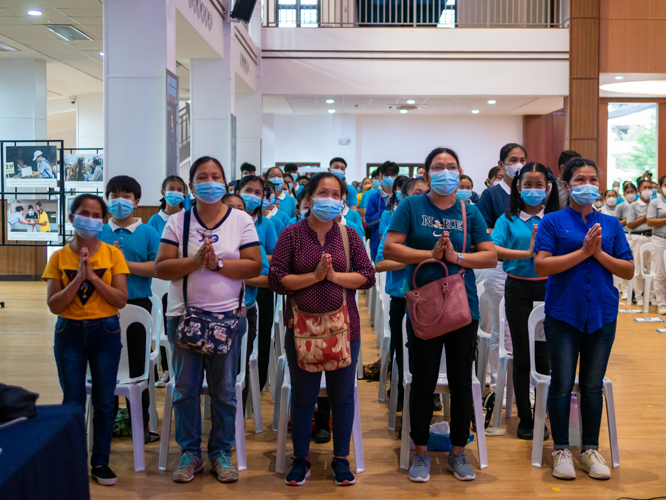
517	204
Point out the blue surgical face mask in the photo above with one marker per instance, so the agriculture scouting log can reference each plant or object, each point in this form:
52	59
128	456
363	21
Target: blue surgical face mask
121	208
375	183
585	194
173	198
654	191
444	182
338	173
533	197
326	209
266	202
398	195
388	181
87	227
210	192
464	194
252	201
358	189
278	182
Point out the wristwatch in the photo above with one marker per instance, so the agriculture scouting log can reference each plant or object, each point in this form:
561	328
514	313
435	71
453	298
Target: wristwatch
461	258
220	265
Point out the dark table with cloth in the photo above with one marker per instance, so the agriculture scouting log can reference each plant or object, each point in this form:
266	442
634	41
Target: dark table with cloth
45	457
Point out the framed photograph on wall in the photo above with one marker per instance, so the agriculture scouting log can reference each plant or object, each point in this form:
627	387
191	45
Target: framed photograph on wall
84	169
31	166
32	219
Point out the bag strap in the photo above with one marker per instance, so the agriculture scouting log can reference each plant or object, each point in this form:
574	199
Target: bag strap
345	244
464	221
186	237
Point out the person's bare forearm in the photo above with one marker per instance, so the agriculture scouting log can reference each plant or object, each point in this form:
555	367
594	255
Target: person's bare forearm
174	269
509	254
240	269
656	222
404	254
295	282
546	266
114	296
259	282
385	266
351	281
621	268
144	269
59	301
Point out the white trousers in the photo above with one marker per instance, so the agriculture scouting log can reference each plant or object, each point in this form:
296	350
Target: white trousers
658	249
495	281
635	242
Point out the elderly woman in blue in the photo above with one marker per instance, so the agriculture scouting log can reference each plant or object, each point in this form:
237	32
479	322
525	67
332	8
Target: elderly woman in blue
580	250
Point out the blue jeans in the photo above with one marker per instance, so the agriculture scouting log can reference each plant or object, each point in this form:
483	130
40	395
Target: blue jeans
304	393
565	342
95	342
189	367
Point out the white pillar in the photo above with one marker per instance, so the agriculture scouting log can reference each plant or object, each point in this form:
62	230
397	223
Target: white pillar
267	141
138	49
90	120
22	99
248	129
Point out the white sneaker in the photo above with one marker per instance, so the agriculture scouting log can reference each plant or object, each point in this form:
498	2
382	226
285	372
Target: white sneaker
594	464
662	310
639	302
563	465
164	378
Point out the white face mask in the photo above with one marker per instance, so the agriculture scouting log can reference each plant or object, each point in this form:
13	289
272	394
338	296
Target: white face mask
663	190
630	197
646	194
495	183
512	170
598	203
611	201
616	189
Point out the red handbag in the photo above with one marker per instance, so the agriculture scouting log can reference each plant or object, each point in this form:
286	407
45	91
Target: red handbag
322	340
441	306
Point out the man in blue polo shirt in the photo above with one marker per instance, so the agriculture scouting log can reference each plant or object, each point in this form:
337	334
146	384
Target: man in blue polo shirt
378	202
139	243
338	167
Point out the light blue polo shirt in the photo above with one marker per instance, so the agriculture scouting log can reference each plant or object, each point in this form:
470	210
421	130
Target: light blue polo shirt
395	280
351	196
279	220
366	196
267	233
139	242
385	221
288	205
251	291
516	234
158	221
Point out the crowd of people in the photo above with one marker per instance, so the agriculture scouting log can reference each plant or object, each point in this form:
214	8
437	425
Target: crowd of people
227	249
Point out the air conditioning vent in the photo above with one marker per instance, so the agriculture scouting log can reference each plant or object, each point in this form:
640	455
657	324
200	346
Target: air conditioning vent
406	107
68	32
7	48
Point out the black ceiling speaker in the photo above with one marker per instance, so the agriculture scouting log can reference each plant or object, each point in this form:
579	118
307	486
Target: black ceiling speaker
243	10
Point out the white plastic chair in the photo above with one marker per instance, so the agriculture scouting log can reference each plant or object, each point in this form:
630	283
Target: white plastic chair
241	456
254	396
482	336
542	385
279	379
285	402
648	276
385	344
504	373
161	288
441	388
131	387
158	331
378	309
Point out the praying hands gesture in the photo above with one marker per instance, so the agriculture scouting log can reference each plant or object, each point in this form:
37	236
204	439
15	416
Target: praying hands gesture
592	242
84	264
324	269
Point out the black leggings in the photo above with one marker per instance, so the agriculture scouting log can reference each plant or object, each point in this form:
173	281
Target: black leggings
251	335
519	298
265	301
396	313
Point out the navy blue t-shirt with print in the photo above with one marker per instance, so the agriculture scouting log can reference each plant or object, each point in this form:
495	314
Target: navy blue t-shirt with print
423	223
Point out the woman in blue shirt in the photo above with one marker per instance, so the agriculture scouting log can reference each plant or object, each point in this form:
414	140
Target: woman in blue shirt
396	276
430	227
174	191
580	250
514	241
392	204
270	209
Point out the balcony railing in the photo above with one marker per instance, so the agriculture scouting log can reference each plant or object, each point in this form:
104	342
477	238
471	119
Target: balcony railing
415	13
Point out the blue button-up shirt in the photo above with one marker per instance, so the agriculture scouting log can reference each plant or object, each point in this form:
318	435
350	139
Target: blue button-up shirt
583	296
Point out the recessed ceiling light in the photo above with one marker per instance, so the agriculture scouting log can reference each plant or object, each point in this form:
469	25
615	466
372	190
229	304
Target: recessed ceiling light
330	101
411	101
475	111
492	101
331	111
403	111
101	54
649	87
34	12
619	77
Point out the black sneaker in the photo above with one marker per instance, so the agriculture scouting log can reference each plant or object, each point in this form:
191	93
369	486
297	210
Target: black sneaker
103	475
322	436
436	403
300	470
341	472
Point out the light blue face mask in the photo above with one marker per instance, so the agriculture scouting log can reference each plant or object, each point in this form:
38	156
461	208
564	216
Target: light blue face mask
533	197
464	194
398	195
267	202
444	182
326	209
252	201
173	198
585	194
278	182
338	173
87	227
388	181
210	192
375	183
121	208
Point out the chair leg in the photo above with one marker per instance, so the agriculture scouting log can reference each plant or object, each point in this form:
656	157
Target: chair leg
575	431
406	429
383	370
480	425
539	422
482	367
499	391
206	412
393	400
89	418
272	370
646	293
445	399
166	426
359	364
509	388
357	435
630	292
241	457
152	408
255	395
279	378
281	454
612	425
137	428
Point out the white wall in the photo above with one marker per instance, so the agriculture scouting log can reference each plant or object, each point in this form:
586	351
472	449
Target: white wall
62	126
377	138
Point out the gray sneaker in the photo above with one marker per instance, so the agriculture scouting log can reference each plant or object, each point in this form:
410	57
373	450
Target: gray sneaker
419	472
458	465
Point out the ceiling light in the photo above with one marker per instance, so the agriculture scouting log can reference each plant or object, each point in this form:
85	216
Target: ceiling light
330	101
101	54
7	48
411	101
649	87
403	111
619	77
475	111
68	32
492	101
34	12
331	111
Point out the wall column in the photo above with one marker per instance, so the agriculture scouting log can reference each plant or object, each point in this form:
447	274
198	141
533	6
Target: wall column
23	99
90	121
248	130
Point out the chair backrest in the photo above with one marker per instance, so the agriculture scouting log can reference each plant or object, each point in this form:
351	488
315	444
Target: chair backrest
386	306
646	249
129	315
278	329
240	378
535	321
485	318
406	374
160	287
502	326
159	328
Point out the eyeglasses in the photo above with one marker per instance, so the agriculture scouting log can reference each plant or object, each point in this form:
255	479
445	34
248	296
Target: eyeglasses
438	167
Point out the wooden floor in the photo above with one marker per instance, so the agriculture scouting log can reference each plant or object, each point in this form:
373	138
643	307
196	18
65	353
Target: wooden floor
636	367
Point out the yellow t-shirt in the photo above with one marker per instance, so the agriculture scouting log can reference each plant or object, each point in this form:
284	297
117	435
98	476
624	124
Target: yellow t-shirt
64	265
43	217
